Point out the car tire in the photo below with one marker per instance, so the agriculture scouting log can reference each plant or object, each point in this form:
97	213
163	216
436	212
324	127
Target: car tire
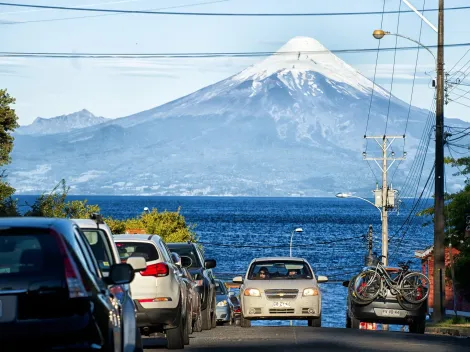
174	337
316	323
418	327
214	313
186	331
206	318
197	324
138	342
244	323
348	322
355	323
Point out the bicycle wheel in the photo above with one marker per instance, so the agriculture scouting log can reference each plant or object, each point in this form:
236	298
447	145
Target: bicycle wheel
408	306
367	285
414	287
352	293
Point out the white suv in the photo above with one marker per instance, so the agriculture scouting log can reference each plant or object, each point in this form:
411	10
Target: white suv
158	289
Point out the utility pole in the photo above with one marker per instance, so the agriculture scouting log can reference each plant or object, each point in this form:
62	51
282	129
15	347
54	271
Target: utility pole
384	197
369	259
439	254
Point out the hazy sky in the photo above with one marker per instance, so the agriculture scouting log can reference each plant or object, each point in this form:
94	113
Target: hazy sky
119	87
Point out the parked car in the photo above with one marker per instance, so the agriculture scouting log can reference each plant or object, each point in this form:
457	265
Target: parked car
200	270
53	294
158	290
193	293
236	305
100	238
225	314
279	288
386	311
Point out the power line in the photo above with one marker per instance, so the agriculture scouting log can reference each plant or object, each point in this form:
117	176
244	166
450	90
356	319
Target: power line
373	85
110	14
59	55
393	68
414	76
145	12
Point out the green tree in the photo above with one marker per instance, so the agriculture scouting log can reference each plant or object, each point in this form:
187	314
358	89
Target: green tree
457	205
54	205
116	226
8	123
170	226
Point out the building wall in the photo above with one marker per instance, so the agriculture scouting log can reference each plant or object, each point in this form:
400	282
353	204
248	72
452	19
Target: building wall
428	270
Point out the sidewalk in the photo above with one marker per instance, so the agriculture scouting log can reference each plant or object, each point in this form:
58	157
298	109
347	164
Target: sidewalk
448	330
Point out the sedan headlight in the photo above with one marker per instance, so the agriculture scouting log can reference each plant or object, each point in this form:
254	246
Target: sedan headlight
222	303
310	292
253	292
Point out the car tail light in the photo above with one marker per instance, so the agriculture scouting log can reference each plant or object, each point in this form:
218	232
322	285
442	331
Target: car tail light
157	270
72	275
237	310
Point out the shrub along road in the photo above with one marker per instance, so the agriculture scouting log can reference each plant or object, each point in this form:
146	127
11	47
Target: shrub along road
313	339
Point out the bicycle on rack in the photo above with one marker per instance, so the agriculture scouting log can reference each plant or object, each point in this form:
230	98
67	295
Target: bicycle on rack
410	288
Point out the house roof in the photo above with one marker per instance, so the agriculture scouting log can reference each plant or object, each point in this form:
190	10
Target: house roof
424	253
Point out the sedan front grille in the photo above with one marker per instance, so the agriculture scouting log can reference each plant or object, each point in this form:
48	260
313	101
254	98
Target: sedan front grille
281	294
282	311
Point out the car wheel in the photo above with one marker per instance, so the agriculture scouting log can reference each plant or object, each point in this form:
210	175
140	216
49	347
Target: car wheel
348	322
197	325
206	318
138	342
316	323
214	313
244	323
355	323
174	337
418	327
186	331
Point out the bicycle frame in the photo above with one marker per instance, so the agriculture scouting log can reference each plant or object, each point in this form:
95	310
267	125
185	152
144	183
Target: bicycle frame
393	284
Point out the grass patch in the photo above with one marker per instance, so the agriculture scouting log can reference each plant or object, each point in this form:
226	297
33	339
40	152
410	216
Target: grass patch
455	321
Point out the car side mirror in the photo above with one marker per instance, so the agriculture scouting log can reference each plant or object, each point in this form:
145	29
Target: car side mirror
210	263
346	283
121	274
137	263
322	279
237	280
176	258
186	262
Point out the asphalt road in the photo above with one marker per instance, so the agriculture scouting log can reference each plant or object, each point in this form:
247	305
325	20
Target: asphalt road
235	338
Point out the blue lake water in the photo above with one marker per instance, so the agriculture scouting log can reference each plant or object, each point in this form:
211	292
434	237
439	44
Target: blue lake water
236	230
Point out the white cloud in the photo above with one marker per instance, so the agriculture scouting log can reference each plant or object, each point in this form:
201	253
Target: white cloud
402	71
174	67
9	66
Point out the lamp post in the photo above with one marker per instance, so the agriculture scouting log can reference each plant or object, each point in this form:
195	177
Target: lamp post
299	230
347	195
439	250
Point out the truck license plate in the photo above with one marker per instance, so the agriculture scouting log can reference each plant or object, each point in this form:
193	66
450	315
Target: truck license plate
281	305
391	312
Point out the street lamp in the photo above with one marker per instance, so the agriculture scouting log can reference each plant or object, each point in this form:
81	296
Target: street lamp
299	230
379	34
347	195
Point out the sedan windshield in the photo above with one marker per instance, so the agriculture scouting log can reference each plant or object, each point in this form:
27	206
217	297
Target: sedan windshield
279	270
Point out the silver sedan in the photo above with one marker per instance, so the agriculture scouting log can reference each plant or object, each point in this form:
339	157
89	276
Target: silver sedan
279	288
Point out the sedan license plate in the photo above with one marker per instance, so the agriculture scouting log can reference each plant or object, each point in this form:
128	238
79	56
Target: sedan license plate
281	305
391	313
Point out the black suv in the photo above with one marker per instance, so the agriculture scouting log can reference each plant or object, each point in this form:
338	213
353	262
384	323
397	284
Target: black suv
200	270
386	311
52	292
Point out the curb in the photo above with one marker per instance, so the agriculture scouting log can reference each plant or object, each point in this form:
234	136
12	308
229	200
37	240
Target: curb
452	331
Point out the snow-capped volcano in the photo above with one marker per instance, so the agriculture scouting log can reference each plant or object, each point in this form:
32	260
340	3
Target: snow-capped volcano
302	55
293	124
